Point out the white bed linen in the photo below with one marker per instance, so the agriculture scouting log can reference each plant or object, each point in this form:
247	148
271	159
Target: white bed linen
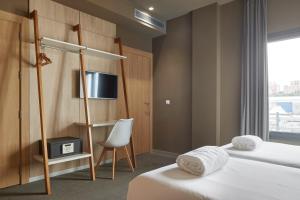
271	152
239	179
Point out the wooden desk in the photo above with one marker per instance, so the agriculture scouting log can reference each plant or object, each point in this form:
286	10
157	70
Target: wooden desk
98	124
105	124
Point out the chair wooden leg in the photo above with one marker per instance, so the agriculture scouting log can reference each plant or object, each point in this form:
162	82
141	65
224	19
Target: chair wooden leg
101	157
116	157
132	152
114	163
128	159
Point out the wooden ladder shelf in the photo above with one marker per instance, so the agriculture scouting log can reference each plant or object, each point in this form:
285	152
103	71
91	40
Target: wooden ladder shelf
43	60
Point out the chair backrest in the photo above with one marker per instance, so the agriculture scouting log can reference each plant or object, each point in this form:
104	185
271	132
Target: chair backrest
120	133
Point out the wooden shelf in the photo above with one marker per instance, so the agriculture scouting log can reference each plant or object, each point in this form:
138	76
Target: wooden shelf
65	46
103	54
63	159
75	48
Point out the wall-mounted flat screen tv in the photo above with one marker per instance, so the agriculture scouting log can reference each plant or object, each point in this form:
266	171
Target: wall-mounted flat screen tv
100	85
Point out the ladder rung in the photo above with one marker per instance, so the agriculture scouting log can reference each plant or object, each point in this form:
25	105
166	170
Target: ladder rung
54	161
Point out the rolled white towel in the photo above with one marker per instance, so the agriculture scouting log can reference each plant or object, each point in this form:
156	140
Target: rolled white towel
203	161
246	142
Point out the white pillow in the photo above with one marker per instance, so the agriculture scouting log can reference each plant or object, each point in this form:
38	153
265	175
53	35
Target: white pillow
246	142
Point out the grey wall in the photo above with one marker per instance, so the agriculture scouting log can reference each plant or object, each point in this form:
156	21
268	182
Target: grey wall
204	76
213	74
216	73
230	33
134	38
172	80
283	15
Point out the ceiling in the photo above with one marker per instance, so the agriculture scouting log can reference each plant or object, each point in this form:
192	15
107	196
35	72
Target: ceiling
121	11
169	9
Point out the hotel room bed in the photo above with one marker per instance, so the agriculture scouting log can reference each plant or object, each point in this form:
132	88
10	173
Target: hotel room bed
239	179
271	152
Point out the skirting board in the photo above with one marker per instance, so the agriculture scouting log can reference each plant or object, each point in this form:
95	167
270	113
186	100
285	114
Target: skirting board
164	153
66	171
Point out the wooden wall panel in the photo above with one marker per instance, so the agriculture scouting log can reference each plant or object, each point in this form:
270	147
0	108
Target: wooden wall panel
25	111
99	34
97	25
14	97
9	101
55	11
59	80
61	83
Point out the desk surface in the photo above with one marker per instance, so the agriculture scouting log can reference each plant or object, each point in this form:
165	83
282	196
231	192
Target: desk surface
98	124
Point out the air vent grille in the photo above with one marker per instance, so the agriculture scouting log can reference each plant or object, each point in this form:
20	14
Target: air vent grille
154	22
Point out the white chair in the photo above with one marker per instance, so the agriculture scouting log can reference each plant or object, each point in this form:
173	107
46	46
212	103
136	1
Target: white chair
118	138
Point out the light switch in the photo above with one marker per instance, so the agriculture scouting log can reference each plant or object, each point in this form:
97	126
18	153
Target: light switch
168	101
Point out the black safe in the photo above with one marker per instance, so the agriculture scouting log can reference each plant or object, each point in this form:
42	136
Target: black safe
63	146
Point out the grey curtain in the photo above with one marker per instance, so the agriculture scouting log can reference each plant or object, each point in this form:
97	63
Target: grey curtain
254	88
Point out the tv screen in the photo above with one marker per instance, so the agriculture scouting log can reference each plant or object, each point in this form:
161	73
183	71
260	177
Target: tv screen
100	85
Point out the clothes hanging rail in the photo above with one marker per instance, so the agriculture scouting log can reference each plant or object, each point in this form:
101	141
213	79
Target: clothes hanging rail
75	48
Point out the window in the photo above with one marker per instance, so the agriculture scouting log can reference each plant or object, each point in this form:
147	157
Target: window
284	90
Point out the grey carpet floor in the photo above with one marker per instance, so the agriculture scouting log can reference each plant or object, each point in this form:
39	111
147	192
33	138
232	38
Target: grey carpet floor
77	186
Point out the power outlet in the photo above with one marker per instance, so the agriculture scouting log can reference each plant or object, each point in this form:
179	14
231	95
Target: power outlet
168	101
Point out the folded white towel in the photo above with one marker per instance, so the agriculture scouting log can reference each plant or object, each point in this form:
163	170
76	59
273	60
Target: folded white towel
246	142
203	161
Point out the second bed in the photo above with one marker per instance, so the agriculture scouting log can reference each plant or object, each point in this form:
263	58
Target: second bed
271	152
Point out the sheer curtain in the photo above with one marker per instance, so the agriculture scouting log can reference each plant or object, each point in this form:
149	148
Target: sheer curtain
254	88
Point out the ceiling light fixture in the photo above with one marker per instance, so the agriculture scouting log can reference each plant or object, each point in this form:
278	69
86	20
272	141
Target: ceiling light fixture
151	8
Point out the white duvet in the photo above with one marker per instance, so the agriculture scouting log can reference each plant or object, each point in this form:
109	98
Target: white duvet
239	179
271	152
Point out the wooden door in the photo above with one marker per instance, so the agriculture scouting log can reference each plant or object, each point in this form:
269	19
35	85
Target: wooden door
138	71
9	103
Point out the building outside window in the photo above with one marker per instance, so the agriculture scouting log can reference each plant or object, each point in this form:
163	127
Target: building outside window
284	90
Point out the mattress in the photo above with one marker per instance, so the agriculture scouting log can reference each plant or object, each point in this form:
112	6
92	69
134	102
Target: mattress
239	179
276	153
